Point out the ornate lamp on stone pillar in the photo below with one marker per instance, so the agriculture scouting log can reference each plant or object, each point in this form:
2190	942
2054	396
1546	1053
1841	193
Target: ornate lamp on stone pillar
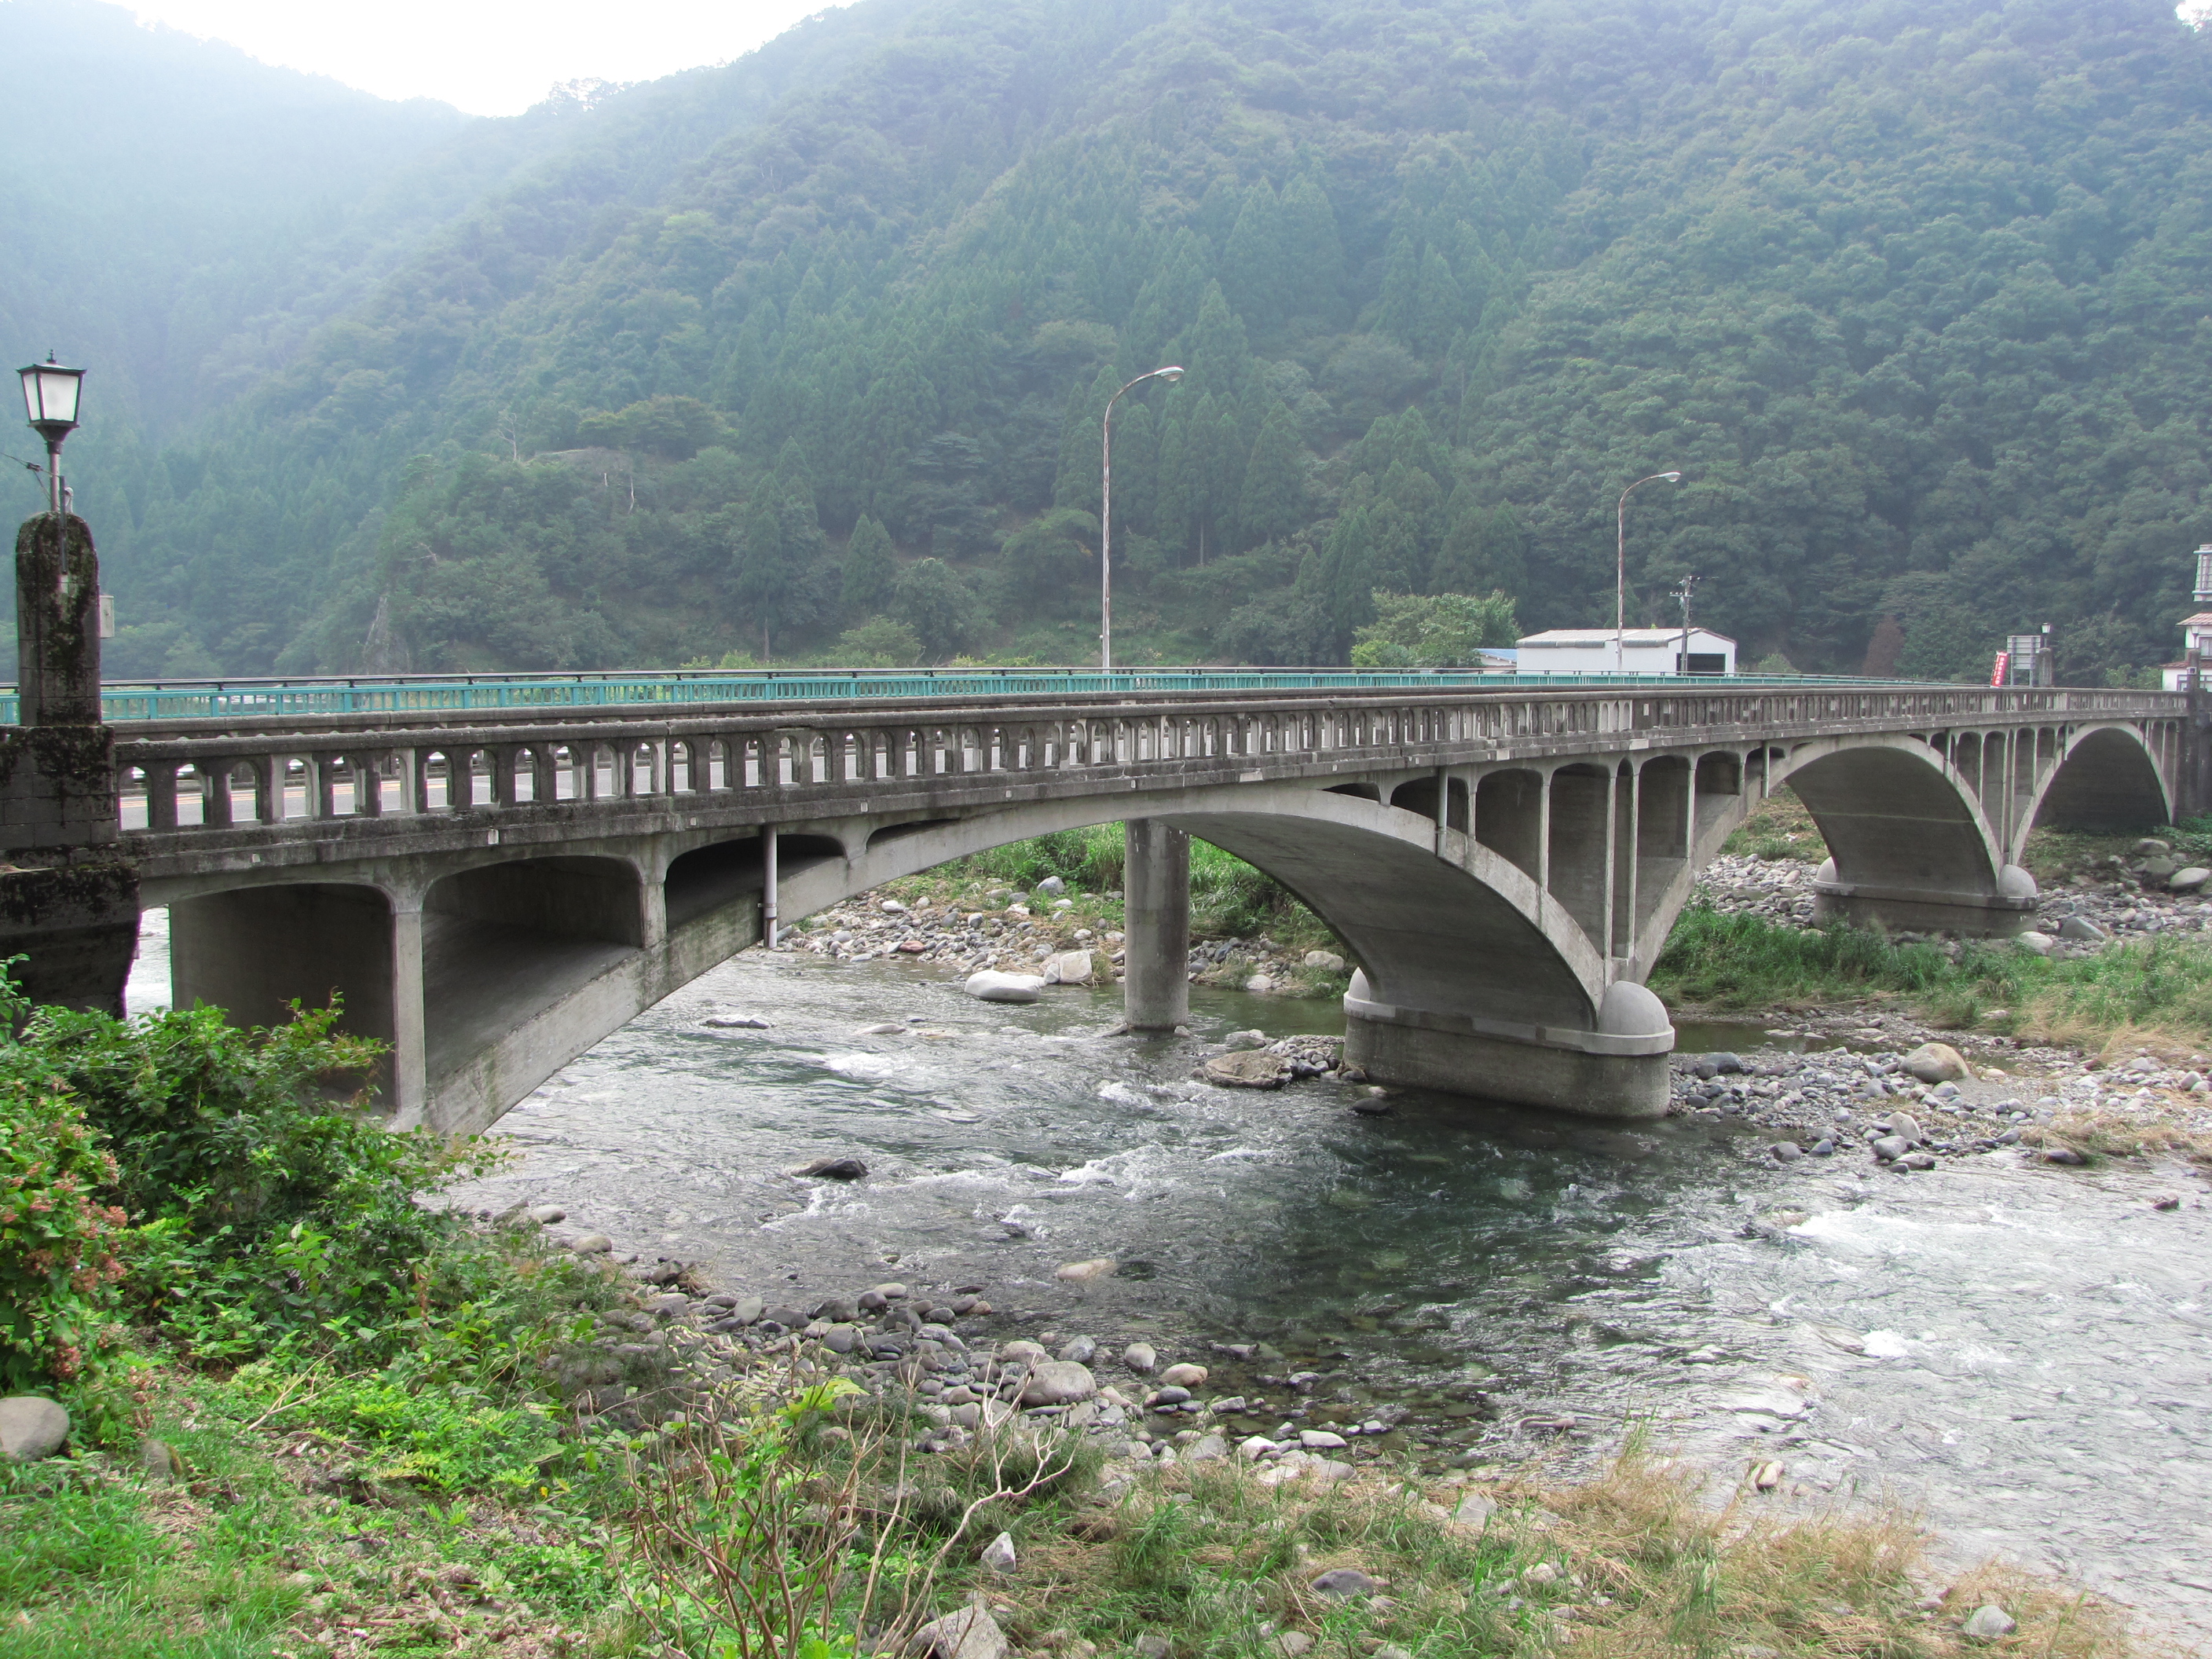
49	395
69	895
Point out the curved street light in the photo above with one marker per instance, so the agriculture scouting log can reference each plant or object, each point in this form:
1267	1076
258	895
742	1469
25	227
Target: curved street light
1620	562
1171	373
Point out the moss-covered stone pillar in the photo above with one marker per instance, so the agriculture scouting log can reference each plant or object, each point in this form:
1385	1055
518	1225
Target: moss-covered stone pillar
68	896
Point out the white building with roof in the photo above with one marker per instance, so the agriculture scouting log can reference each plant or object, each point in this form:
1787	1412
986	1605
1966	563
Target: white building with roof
2196	631
1639	651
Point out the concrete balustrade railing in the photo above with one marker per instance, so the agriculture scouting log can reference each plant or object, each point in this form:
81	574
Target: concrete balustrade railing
190	777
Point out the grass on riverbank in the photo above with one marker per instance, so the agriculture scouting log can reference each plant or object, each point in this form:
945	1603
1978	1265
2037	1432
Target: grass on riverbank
2156	994
687	1542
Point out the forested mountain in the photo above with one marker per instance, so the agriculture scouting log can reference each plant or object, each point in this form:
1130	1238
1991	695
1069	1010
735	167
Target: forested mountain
805	355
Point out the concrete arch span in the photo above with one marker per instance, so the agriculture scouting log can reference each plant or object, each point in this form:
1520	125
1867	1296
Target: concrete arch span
1373	873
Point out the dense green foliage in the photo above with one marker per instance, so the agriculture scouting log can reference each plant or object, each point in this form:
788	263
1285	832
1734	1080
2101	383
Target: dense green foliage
1917	295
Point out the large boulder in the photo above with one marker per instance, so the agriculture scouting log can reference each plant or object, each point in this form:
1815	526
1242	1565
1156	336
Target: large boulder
1937	1062
2082	929
1058	1382
991	986
970	1633
1252	1068
2190	879
31	1426
1069	967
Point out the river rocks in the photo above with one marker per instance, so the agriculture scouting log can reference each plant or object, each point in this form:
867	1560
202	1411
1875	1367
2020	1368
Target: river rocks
2190	879
1474	1510
1786	1151
1937	1062
1069	967
1140	1357
1254	1068
991	986
1184	1376
32	1427
736	1023
546	1214
1082	1272
2081	927
1326	962
592	1244
1322	1440
998	1555
969	1633
1343	1583
2034	943
1891	1147
1907	1125
835	1168
1052	887
881	1028
1990	1623
1079	1351
1207	1448
1237	1041
1058	1382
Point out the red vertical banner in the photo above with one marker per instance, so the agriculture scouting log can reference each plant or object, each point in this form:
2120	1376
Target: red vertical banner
1997	674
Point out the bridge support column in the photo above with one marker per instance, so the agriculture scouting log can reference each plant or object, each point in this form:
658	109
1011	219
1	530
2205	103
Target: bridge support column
1155	956
1618	1070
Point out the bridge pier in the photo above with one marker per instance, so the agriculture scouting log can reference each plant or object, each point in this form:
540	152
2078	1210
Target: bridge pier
69	893
1156	908
2010	911
1617	1071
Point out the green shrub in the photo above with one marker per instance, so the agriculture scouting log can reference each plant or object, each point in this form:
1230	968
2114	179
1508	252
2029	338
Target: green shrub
58	1267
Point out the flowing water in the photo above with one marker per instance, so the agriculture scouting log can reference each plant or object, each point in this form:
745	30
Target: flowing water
2024	1353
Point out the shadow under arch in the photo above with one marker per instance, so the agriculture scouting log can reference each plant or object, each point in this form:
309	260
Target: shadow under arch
2105	780
253	950
1896	817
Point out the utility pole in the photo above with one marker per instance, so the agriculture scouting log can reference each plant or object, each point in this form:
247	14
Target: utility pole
1682	592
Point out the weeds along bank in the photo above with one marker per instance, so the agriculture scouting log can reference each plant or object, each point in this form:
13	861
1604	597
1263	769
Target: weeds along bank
310	1412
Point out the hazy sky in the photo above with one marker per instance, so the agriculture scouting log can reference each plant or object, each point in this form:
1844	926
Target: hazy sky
488	57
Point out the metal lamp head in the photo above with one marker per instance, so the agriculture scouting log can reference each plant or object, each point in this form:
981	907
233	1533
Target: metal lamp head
50	398
1671	478
1172	373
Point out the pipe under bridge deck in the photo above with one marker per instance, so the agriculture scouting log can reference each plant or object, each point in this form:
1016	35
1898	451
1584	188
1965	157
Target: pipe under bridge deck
494	889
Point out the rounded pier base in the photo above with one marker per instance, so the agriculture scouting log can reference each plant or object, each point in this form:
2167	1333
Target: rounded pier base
2010	911
1618	1071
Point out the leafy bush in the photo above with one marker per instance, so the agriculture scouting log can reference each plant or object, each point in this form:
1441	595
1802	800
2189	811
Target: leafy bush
59	1268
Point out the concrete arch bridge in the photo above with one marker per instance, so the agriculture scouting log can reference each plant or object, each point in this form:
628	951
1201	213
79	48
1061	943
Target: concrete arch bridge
494	893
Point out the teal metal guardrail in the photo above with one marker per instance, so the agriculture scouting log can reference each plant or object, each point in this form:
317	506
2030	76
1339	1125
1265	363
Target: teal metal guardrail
275	699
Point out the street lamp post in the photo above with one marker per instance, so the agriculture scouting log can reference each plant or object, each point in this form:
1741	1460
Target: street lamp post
1171	373
49	393
1621	563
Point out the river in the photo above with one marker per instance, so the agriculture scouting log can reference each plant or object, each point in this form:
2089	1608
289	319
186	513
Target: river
2022	1353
